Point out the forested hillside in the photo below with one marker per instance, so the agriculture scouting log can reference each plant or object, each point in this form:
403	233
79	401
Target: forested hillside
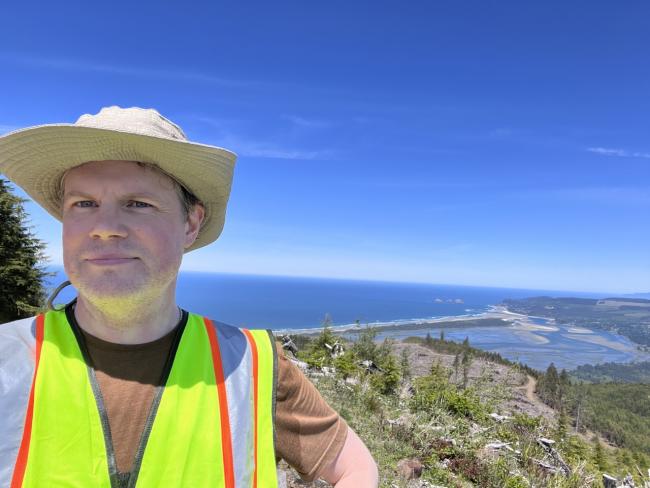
620	412
627	316
638	372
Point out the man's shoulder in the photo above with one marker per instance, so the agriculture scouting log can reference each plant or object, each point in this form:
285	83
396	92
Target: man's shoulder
228	329
17	344
20	326
223	328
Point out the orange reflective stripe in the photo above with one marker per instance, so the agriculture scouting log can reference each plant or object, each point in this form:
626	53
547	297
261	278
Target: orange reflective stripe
226	439
21	460
253	346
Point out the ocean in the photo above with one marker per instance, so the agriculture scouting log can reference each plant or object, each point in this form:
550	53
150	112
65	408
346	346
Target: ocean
275	302
289	303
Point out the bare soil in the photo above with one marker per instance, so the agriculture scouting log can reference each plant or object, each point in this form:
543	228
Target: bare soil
521	386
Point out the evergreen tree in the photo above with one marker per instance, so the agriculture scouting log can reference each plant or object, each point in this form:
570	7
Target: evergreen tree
346	365
549	386
387	381
456	366
21	261
600	457
562	425
318	353
442	335
365	347
579	394
405	365
564	384
466	362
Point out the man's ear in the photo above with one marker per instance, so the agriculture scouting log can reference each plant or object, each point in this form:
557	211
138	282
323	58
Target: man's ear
193	224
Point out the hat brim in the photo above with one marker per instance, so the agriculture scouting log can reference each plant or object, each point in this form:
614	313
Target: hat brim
37	157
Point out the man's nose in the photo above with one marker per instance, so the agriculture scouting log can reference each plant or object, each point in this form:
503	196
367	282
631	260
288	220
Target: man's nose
108	224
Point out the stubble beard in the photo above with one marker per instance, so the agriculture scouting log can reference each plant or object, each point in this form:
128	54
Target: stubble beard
123	297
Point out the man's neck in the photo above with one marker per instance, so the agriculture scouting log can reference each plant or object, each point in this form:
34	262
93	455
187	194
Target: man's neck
120	326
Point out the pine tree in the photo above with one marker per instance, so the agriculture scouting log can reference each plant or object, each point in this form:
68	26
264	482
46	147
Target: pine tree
562	425
579	400
549	386
365	347
405	365
564	384
21	261
456	366
466	362
600	457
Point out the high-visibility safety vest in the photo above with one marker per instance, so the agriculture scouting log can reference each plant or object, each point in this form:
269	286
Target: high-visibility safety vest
211	424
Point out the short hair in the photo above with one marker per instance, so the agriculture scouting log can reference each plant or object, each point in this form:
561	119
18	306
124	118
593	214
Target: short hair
186	197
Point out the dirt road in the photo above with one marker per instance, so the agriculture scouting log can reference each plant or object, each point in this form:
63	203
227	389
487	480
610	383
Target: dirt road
531	384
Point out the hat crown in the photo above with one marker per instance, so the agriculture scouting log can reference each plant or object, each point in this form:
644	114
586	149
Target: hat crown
146	122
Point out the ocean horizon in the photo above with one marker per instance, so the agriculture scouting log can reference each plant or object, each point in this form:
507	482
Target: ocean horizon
285	302
299	304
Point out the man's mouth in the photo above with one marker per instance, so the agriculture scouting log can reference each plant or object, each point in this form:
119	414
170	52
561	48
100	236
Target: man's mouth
110	260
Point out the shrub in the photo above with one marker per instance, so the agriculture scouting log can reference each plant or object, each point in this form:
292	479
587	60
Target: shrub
317	354
346	365
435	390
525	422
387	381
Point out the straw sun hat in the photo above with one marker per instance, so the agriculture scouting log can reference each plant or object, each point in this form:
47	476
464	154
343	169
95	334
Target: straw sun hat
36	158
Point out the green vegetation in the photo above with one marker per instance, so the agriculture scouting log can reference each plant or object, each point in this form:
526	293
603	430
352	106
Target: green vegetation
619	372
318	352
451	324
553	387
619	412
436	391
443	418
454	348
21	258
626	316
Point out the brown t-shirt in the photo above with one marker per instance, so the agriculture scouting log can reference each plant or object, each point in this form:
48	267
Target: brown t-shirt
309	434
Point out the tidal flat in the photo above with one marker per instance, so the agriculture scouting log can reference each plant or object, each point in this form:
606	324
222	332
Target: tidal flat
535	341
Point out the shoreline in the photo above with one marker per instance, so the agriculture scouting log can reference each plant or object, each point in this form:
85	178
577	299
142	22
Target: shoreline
495	316
539	340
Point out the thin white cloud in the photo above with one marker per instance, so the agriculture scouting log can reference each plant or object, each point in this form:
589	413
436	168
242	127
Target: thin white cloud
622	153
307	123
412	184
259	151
172	74
244	146
623	195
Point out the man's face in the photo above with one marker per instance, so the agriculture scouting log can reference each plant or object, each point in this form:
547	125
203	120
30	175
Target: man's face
124	231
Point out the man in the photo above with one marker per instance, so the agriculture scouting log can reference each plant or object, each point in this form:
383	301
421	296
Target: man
122	387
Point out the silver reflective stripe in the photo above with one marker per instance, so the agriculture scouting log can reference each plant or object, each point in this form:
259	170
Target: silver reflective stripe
237	360
17	352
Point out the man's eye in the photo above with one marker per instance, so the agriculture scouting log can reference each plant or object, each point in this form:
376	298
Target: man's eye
84	204
138	204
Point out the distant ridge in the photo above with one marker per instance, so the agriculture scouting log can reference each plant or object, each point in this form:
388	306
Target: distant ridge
638	295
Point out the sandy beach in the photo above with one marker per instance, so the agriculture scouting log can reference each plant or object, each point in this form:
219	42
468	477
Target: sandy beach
496	316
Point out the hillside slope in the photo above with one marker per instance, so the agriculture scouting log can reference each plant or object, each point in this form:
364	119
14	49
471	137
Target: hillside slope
456	423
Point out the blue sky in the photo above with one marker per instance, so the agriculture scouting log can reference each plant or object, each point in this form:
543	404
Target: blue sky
479	143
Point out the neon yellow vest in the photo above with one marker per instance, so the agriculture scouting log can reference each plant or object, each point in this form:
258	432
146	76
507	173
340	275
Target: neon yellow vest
211	425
